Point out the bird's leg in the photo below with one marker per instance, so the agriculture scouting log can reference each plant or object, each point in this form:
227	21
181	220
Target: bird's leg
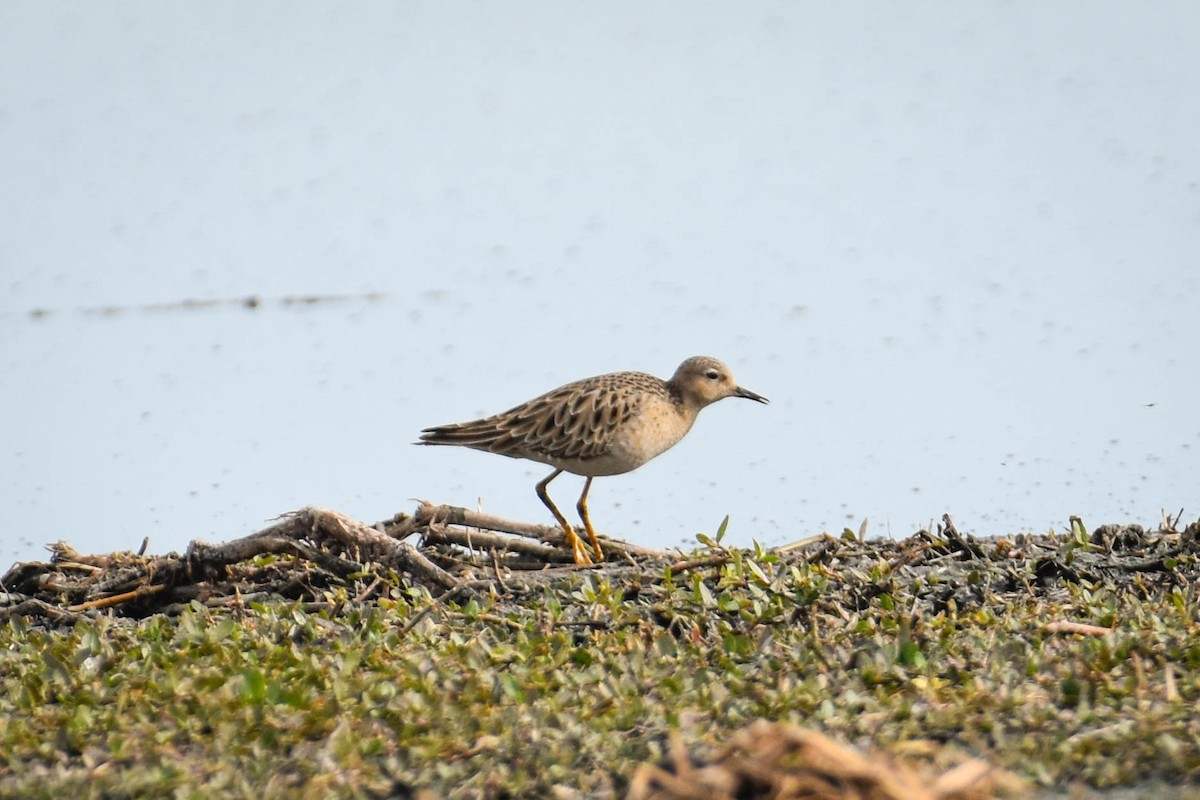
587	522
572	540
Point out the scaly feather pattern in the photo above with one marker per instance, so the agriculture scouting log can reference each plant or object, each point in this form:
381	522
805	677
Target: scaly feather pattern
575	422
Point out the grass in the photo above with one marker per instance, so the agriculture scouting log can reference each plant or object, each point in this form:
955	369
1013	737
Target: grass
567	687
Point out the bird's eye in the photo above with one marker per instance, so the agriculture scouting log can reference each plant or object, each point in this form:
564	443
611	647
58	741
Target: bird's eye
712	375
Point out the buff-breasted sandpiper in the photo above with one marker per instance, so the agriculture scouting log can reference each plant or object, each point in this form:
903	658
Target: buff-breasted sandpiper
604	425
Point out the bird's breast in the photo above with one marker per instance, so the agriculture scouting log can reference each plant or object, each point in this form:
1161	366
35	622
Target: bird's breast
639	438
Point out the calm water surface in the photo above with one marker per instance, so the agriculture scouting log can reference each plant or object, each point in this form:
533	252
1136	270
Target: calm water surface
958	251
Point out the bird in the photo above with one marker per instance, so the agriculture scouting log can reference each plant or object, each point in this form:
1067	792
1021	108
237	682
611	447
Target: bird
604	425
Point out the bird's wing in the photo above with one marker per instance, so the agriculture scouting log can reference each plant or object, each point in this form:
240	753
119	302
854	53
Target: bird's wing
571	422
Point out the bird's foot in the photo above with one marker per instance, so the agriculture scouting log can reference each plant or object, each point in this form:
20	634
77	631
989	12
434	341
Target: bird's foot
582	557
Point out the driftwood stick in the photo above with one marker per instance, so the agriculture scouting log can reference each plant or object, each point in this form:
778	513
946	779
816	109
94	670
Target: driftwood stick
400	526
355	534
292	525
112	600
63	555
427	514
281	541
137	578
625	548
437	533
1082	628
35	607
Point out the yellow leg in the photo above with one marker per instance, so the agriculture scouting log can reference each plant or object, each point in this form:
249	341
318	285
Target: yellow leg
587	522
581	556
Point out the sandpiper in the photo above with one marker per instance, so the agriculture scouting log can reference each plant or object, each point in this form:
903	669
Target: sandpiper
604	425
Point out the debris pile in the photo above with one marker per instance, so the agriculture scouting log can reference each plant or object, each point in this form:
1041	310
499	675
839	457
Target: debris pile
785	762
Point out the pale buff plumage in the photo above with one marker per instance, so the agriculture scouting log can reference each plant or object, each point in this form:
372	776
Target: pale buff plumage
604	425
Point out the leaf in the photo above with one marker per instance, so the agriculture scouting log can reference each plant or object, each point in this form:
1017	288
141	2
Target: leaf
254	685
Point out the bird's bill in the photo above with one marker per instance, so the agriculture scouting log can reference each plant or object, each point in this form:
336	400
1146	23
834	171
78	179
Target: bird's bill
749	395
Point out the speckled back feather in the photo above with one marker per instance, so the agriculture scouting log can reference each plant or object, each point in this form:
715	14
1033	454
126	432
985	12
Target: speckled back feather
574	421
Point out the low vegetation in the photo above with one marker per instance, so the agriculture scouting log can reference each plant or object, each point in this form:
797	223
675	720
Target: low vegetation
1064	660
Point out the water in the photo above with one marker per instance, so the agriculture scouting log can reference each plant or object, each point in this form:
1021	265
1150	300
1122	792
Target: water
957	248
